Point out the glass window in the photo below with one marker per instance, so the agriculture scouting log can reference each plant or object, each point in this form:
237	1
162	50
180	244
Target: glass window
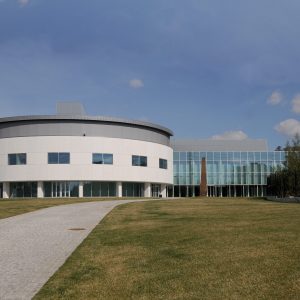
176	179
23	189
264	156
271	156
143	161
196	167
102	158
237	155
210	155
230	156
277	156
216	155
244	156
182	180
176	167
58	158
251	156
53	158
196	179
87	189
132	189
107	159
176	156
64	158
97	158
139	160
17	159
12	159
47	189
257	156
74	189
189	155
202	155
196	156
182	156
224	156
182	167
163	163
135	160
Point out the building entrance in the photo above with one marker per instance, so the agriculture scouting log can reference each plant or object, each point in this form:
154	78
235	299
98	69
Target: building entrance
155	190
61	189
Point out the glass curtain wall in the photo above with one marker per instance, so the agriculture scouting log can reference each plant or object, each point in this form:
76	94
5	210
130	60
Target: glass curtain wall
99	189
228	173
132	189
23	189
61	189
155	190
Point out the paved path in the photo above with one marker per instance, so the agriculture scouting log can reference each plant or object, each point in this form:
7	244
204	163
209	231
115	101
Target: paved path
34	245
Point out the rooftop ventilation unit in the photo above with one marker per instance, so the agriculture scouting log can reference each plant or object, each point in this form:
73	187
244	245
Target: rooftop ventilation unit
70	109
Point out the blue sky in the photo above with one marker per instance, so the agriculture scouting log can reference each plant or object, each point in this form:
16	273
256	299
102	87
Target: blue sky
205	69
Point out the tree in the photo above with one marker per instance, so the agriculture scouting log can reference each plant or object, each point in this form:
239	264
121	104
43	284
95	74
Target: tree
286	180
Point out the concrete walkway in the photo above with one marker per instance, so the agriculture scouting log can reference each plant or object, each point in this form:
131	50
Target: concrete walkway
34	245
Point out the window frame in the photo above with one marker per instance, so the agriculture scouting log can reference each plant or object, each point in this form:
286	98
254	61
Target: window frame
163	163
59	158
139	161
105	159
17	159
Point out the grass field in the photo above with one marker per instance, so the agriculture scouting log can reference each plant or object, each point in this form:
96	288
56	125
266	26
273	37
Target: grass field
13	207
186	249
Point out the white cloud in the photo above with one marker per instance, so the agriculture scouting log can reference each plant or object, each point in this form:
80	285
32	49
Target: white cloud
296	104
275	98
136	83
231	135
288	127
23	2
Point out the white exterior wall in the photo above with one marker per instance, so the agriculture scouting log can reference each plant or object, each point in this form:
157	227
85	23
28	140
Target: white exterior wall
81	167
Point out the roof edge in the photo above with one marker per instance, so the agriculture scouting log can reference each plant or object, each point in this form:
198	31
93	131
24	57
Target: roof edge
88	118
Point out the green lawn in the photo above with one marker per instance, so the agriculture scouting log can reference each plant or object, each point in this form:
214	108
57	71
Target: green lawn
186	249
12	207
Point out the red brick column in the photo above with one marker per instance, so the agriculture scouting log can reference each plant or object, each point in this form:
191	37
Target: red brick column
203	182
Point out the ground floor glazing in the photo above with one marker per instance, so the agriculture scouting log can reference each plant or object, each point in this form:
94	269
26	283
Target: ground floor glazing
66	189
220	191
62	189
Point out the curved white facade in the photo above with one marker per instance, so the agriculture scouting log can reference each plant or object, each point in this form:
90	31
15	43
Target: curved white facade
80	168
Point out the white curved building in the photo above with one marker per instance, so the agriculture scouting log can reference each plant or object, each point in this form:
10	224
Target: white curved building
82	156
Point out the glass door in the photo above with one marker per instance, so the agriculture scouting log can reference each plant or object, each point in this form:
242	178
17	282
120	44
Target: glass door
155	190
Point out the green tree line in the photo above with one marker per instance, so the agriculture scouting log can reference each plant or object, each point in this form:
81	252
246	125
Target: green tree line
286	180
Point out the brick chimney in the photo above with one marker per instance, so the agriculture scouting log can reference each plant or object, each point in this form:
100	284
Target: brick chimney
203	182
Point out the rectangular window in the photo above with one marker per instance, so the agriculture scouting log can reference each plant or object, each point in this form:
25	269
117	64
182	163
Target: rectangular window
163	163
58	158
139	160
17	159
102	158
63	158
176	155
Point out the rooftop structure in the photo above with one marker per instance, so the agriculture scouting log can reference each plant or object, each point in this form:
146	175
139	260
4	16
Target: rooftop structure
219	145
